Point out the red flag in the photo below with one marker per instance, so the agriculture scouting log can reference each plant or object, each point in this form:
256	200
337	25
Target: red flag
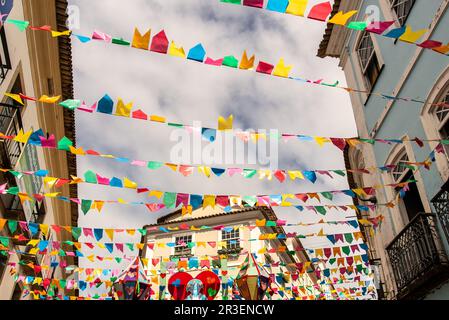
159	43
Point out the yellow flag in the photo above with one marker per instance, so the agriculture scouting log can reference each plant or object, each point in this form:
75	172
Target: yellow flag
15	97
262	251
297	7
321	141
155	118
341	18
44	229
55	34
51	195
281	70
173	50
123	110
209	201
295	175
412	36
155	193
205	170
98	205
101	245
47	99
129	184
24	197
245	63
284	202
23	137
110	233
139	41
50	181
33	242
187	210
225	124
79	151
172	166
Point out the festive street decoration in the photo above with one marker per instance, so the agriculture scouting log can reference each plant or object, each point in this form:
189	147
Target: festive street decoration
322	11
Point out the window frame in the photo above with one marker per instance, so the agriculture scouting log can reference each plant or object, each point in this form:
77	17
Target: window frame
395	14
368	86
185	248
230	246
431	123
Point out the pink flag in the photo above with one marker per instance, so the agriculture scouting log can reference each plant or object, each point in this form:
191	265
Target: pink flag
379	27
48	143
213	62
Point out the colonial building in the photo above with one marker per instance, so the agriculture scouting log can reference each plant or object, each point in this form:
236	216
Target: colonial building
410	252
213	239
35	64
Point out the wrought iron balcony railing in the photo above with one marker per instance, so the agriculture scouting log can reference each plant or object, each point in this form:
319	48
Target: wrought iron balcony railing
417	257
10	124
441	204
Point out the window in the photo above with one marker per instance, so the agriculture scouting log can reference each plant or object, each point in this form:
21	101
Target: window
402	9
442	118
232	238
369	61
181	248
10	124
410	204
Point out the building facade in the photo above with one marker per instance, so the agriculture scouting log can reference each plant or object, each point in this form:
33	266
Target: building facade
35	64
411	249
225	245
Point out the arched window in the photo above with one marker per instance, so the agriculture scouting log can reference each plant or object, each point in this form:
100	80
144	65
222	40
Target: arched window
435	120
410	203
368	58
441	115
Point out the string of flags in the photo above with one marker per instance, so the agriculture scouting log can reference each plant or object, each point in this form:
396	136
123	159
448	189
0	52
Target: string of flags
322	11
107	105
39	139
322	254
71	284
44	246
99	233
160	44
227	203
155	262
358	267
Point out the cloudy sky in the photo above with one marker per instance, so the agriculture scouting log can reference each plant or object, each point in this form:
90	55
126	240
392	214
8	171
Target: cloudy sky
185	91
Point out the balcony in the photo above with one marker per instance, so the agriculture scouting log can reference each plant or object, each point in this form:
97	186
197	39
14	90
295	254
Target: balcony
417	258
10	124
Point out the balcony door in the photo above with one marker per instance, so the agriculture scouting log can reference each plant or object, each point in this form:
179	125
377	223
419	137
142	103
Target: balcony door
410	203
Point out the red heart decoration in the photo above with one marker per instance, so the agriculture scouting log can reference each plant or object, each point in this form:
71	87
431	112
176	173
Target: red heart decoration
163	275
177	285
211	284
